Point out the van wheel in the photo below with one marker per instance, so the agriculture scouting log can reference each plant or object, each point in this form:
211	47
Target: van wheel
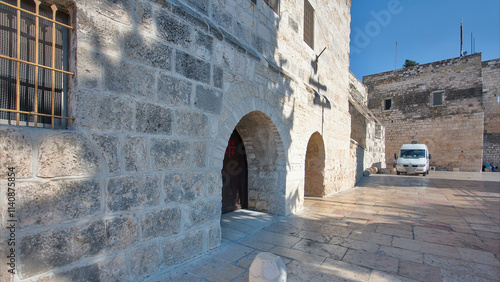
398	173
424	174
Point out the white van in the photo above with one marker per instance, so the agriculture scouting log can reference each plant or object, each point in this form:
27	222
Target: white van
413	158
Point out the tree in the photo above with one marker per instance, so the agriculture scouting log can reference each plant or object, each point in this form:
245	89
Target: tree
410	63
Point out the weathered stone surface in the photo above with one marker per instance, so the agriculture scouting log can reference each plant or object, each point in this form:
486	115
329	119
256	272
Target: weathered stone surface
172	30
199	154
109	235
66	154
208	99
182	248
46	250
204	212
144	260
5	262
184	187
173	91
108	145
15	152
88	68
204	45
117	115
218	77
153	119
148	51
192	67
161	223
123	78
97	31
57	202
144	16
214	236
134	154
117	10
191	124
132	192
167	154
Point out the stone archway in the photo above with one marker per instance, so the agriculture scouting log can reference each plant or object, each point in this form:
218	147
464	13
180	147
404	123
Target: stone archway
266	163
315	167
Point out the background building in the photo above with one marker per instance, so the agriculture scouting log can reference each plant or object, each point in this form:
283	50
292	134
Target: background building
451	106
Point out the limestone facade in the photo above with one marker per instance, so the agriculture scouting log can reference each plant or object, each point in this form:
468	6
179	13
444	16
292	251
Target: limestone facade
133	185
442	105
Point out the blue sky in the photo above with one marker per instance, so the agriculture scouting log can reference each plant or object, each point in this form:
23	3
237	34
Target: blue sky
425	30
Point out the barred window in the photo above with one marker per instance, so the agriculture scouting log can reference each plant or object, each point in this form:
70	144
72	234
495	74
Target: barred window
274	4
308	24
34	48
437	98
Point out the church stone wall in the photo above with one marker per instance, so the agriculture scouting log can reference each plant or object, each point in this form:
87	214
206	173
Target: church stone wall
133	185
491	104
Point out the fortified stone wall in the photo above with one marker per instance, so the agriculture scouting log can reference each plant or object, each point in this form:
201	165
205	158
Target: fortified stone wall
133	185
491	104
452	130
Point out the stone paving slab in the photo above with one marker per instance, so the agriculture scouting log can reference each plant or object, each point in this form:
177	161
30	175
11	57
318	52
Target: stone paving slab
442	227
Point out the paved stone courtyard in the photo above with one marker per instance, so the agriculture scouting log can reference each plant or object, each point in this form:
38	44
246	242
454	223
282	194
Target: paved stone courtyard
442	227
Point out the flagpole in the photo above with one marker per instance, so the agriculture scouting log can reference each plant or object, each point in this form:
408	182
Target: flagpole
396	60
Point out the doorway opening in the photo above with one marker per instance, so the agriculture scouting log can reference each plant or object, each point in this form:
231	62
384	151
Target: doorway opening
234	175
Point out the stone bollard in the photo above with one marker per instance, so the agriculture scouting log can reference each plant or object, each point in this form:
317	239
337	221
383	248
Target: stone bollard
370	170
267	267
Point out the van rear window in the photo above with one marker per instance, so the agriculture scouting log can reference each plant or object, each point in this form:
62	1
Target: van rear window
418	153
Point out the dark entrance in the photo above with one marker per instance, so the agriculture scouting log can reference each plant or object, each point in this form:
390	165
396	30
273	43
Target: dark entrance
234	175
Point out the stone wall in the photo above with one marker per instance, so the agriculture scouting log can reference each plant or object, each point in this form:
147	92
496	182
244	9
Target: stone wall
133	185
453	130
491	104
367	132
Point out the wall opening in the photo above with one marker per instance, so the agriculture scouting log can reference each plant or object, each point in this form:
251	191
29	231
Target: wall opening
315	167
234	175
265	157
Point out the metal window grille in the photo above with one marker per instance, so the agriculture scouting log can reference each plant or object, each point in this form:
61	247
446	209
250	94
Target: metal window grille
308	24
274	4
34	72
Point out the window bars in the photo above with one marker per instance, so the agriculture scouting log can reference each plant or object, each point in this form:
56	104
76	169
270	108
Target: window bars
33	64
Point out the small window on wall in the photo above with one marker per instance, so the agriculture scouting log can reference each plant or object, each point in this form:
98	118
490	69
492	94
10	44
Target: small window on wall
274	4
388	104
437	98
308	24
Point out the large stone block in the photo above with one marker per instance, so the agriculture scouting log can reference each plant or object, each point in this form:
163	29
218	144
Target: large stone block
173	91
117	10
97	31
204	45
192	67
56	202
153	119
172	30
184	187
124	78
208	99
88	68
148	51
68	154
161	223
132	192
168	154
104	113
191	124
46	250
199	154
108	145
202	212
144	260
144	16
182	248
15	152
135	154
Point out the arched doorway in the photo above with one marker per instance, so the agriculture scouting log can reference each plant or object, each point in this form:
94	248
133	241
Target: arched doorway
315	167
264	184
234	175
